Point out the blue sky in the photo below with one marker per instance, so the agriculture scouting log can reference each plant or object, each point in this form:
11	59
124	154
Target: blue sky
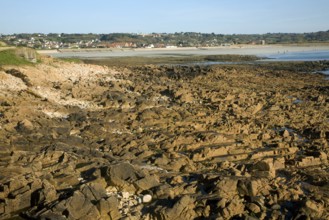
146	16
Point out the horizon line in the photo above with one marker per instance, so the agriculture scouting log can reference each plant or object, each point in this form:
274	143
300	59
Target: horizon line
144	33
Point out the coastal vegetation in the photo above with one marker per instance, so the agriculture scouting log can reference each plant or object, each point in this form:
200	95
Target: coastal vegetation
71	60
187	59
13	57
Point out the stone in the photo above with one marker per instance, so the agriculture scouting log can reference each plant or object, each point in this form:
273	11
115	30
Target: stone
2	208
92	214
51	215
22	190
163	141
24	126
279	163
313	209
264	168
125	195
227	187
286	133
254	208
78	205
276	207
94	191
257	108
103	207
21	201
182	209
122	175
114	212
253	187
146	198
234	207
147	182
46	194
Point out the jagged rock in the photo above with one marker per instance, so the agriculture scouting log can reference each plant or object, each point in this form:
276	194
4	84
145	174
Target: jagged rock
78	207
19	202
103	208
147	182
233	207
286	134
93	191
253	187
51	215
276	207
164	191
114	211
123	175
182	209
24	126
313	209
257	108
264	168
227	187
46	194
206	142
254	208
279	163
309	161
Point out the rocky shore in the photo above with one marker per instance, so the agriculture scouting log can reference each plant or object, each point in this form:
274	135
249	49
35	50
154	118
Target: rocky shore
81	141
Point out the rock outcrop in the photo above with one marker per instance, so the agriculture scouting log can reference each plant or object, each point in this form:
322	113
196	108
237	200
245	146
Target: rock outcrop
79	141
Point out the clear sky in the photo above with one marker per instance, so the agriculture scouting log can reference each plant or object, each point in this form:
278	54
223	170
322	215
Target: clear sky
147	16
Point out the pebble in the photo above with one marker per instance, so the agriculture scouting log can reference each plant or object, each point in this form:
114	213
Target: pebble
147	198
276	207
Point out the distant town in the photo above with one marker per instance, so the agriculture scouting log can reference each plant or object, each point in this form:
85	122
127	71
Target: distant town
155	40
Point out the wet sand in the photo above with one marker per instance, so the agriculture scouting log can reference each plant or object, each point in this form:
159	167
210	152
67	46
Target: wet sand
265	50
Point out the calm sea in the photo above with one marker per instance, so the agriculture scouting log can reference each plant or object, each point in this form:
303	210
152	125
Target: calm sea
326	72
301	56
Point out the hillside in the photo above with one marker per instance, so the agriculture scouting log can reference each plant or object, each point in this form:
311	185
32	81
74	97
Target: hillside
158	40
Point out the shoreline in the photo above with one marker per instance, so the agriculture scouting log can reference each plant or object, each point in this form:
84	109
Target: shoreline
234	49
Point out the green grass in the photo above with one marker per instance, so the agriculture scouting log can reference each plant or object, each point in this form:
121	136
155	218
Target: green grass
71	60
168	59
9	57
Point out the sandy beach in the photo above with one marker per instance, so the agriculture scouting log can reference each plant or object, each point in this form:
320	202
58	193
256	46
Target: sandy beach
259	50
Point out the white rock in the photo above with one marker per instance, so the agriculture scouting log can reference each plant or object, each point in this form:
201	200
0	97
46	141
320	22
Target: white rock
125	195
112	189
147	198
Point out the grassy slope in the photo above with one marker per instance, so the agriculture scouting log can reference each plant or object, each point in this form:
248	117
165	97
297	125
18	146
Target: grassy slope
9	57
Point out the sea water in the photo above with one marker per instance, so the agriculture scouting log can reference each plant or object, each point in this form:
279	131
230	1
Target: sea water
326	72
300	56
